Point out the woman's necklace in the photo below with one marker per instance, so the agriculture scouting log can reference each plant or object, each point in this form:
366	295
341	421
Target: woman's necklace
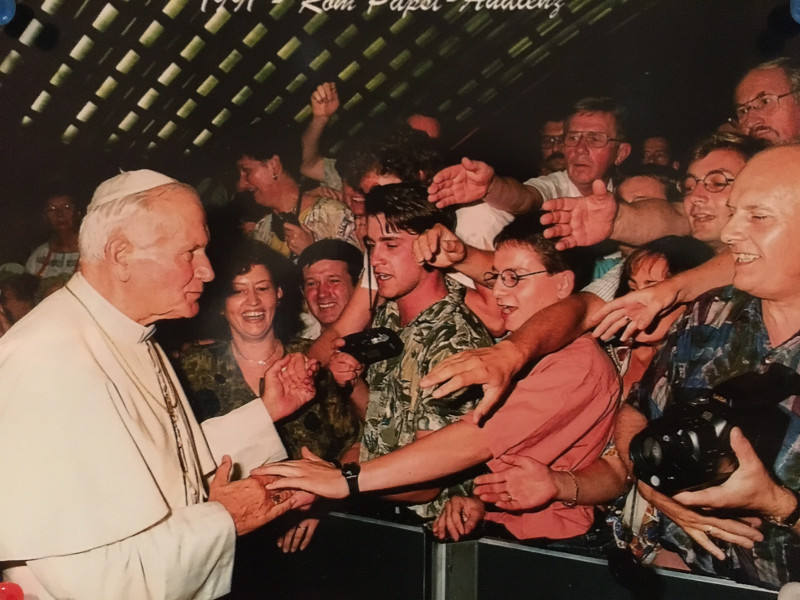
262	362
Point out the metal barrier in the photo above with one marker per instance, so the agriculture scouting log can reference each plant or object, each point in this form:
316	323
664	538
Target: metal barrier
356	558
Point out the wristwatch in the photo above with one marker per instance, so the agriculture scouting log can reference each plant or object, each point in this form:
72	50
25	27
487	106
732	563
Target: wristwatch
792	518
350	472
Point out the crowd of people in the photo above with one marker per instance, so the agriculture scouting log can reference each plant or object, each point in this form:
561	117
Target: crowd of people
602	359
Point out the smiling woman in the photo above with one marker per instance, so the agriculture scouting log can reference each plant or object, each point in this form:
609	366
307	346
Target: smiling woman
257	293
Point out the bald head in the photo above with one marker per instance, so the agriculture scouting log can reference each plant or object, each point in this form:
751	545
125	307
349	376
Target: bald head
764	230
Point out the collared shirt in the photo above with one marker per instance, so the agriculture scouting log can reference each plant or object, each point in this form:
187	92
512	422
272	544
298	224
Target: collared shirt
398	407
722	336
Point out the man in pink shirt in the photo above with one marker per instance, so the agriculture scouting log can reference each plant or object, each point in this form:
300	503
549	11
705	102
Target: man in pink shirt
560	414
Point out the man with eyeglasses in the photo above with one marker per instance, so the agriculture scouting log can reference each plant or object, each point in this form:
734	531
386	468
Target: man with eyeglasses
594	143
716	162
767	101
560	414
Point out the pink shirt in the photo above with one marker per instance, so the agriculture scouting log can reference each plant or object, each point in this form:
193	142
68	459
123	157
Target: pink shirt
562	415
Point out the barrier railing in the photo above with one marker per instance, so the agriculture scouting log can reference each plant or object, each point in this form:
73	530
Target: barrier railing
357	558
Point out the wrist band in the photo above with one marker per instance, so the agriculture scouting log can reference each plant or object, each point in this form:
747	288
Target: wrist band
792	518
350	472
574	502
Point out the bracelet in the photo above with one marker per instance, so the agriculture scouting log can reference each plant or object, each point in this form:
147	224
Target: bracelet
792	518
574	502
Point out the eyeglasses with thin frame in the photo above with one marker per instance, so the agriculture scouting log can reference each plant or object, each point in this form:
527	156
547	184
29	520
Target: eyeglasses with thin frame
593	139
509	277
714	181
551	141
765	104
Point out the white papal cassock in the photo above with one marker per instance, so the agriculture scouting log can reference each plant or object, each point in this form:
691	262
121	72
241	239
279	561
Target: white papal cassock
96	499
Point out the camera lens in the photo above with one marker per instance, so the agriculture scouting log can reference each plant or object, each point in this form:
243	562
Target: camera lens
652	450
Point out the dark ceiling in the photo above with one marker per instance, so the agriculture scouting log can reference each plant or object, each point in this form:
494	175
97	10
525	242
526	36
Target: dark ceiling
90	86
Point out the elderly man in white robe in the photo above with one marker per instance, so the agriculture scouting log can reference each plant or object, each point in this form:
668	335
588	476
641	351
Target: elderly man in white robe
104	478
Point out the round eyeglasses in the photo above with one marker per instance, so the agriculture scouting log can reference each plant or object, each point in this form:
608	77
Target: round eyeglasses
714	181
593	139
509	277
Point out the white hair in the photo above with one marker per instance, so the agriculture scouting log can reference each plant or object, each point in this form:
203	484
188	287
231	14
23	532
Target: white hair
105	220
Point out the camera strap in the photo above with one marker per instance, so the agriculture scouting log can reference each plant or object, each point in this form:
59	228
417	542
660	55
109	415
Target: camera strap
373	301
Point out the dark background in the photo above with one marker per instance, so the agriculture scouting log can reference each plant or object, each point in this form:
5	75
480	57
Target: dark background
490	77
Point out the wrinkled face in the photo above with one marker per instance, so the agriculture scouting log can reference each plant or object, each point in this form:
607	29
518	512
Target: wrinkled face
764	230
328	288
782	123
250	309
392	259
62	215
708	211
551	129
637	188
531	294
255	176
585	164
373	179
167	262
656	152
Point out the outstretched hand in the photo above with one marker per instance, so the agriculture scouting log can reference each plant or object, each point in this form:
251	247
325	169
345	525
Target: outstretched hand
634	311
289	385
248	502
493	368
461	184
524	484
581	221
311	474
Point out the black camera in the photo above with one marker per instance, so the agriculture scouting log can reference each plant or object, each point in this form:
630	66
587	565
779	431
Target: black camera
278	219
689	446
372	345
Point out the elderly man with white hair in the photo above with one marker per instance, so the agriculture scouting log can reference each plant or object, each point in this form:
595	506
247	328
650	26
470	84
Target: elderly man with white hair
105	467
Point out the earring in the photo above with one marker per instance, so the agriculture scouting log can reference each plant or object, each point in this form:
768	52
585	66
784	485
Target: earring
274	176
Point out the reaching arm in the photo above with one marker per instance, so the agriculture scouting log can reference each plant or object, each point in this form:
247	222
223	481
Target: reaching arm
547	331
531	484
636	310
473	180
641	222
588	220
438	454
324	103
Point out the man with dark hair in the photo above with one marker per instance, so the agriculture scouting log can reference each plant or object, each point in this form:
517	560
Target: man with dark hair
656	150
551	415
427	311
767	101
331	269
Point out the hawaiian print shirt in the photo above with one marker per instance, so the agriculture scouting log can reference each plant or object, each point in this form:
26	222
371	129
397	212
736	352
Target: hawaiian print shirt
722	336
215	386
326	218
398	407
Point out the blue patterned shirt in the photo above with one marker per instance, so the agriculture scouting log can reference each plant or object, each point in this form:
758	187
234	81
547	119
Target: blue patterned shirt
721	336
